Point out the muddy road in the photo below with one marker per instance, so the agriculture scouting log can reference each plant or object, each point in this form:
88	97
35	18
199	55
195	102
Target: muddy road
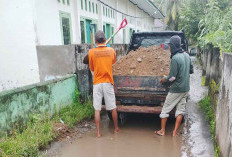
136	137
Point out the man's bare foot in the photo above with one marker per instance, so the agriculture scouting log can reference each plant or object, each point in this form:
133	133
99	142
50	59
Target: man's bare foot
160	133
98	135
116	130
174	134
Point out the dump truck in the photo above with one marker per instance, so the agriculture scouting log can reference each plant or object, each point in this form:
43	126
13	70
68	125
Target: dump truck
143	94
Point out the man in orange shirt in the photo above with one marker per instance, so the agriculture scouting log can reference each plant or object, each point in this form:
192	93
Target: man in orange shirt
101	60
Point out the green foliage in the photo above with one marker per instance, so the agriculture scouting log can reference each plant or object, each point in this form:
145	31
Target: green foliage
172	13
39	131
202	81
205	104
213	91
28	142
216	26
75	113
190	15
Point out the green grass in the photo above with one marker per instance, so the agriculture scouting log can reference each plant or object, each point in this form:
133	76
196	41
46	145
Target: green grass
39	131
202	81
28	142
205	104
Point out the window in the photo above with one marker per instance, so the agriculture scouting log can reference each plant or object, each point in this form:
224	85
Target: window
89	6
58	1
111	13
85	5
96	9
65	22
68	2
104	11
104	29
82	4
108	12
63	1
93	7
82	31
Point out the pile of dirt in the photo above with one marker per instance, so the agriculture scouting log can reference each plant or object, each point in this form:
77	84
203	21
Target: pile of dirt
63	131
151	61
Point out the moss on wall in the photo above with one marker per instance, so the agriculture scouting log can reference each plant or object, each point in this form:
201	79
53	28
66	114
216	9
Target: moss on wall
47	97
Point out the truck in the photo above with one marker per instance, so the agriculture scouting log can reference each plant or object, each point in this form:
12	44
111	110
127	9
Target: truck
143	94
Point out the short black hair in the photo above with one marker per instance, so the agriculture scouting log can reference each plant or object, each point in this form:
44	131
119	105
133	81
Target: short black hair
100	36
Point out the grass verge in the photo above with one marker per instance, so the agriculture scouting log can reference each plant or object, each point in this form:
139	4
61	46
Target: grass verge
205	104
40	131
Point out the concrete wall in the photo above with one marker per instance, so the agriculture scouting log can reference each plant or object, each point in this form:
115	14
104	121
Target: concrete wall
18	59
223	129
46	97
56	61
211	64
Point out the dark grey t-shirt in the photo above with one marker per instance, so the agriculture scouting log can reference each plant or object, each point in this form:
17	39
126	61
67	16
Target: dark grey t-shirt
181	66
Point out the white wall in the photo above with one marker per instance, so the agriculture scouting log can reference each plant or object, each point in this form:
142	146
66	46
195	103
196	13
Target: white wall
18	58
48	21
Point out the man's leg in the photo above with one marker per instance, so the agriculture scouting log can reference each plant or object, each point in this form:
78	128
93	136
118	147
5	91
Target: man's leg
97	122
110	103
180	111
97	101
169	104
115	119
177	124
161	132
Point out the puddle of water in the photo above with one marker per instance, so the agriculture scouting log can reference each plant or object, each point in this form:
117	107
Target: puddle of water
135	139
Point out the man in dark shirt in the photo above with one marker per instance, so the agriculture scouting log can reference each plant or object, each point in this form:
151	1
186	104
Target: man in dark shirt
179	76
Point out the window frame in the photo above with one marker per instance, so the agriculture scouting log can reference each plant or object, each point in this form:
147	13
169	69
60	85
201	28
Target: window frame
66	15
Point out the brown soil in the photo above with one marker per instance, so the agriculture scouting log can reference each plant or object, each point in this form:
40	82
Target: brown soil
63	131
151	61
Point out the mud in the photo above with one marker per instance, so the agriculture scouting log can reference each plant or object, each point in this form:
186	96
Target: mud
135	139
196	133
151	61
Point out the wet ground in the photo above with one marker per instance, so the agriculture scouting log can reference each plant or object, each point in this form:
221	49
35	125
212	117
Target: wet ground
197	139
136	138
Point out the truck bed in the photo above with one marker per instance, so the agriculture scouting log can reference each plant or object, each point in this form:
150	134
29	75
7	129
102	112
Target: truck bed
139	90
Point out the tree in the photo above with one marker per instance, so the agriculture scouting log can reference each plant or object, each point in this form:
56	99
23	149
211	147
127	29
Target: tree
190	15
172	13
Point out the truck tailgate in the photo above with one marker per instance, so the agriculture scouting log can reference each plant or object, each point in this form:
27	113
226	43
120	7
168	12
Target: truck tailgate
139	90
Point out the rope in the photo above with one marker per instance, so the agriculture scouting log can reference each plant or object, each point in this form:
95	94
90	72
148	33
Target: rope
122	12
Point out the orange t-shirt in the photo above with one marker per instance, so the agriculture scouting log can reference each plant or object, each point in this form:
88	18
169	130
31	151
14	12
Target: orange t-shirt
101	60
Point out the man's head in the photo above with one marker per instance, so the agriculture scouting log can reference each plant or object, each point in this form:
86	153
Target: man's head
100	37
175	44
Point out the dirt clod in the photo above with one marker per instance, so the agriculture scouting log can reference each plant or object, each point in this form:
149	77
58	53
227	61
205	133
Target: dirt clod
151	61
139	59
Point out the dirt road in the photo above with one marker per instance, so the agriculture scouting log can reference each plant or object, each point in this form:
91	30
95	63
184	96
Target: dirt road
136	139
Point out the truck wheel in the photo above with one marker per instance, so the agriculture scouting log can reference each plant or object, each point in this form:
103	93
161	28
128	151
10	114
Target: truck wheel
122	118
110	115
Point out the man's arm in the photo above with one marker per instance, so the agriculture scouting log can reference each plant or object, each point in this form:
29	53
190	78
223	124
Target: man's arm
173	72
86	59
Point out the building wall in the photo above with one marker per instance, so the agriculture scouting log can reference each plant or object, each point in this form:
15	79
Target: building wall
48	24
18	59
31	23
